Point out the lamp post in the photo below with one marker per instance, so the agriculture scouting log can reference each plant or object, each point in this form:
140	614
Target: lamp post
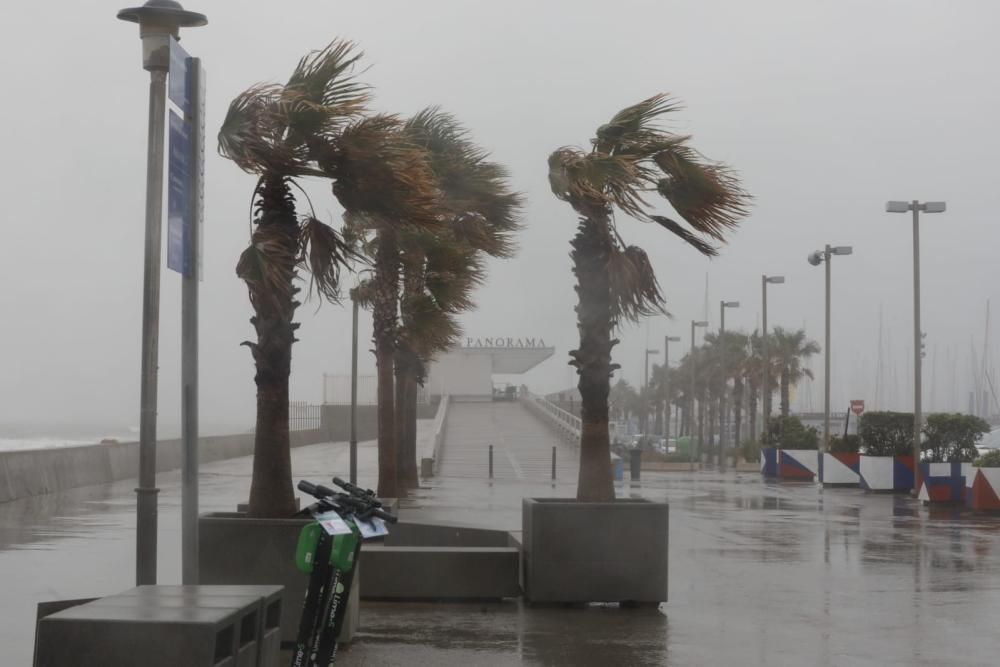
645	385
666	382
694	374
158	20
722	395
916	207
816	259
353	445
766	389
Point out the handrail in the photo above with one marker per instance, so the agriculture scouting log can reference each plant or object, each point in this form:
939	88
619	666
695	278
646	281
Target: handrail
566	421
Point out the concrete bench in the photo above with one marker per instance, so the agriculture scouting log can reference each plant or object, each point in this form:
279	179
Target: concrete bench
440	573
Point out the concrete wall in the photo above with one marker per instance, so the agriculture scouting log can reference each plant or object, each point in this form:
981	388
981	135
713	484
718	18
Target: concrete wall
335	420
37	471
460	373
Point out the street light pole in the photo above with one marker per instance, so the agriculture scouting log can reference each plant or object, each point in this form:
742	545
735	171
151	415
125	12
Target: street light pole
645	385
918	418
353	451
158	20
766	389
694	374
725	381
666	383
815	259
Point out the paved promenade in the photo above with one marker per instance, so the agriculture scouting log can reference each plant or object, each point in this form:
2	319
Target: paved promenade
760	574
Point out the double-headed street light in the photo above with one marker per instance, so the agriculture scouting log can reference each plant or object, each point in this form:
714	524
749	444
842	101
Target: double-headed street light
918	418
694	373
722	396
666	381
158	20
816	259
766	280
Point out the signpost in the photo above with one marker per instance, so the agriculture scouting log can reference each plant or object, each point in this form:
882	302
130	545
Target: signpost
185	208
857	407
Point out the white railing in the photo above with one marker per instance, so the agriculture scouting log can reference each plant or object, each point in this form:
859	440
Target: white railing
568	424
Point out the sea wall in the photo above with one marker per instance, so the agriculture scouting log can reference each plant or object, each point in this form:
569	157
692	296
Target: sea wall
33	472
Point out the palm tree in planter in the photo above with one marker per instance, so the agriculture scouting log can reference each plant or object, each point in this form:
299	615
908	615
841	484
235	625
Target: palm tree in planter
630	160
267	132
790	349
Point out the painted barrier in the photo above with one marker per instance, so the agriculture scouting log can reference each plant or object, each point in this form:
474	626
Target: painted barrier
886	473
769	461
840	468
985	492
798	464
942	482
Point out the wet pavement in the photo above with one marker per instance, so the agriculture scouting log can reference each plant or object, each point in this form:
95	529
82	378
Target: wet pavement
760	574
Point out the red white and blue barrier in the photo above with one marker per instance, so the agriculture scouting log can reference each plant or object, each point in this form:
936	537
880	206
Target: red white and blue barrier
985	491
799	464
840	468
886	473
942	482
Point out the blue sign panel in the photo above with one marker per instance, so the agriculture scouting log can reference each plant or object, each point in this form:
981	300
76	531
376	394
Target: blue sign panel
179	227
179	87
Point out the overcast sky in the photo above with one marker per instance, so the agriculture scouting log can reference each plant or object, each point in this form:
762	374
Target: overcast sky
827	109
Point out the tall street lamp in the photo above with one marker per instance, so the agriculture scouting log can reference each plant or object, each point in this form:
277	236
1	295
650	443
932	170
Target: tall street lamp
666	382
765	280
158	20
694	374
645	385
918	418
816	259
722	395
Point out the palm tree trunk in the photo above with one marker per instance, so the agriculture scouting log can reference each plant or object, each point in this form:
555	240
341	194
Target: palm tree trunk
271	493
737	413
591	250
384	316
658	426
785	392
406	426
754	435
701	428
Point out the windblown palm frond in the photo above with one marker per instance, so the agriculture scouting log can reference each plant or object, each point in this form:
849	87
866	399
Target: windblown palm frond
322	94
635	292
324	253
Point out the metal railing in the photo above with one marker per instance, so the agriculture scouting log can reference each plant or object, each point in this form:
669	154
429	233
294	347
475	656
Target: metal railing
302	416
568	424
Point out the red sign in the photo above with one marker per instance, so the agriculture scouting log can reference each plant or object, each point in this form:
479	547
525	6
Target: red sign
857	407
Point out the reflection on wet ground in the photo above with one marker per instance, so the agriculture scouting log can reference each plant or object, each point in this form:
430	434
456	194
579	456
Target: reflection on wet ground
760	574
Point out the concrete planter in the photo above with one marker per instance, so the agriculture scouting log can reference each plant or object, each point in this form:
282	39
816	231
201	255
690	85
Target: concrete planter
984	493
798	464
886	473
235	549
840	469
943	482
579	552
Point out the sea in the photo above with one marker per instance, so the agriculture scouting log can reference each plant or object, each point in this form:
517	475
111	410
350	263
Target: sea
30	435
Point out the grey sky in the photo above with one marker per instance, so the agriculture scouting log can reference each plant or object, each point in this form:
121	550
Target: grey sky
826	108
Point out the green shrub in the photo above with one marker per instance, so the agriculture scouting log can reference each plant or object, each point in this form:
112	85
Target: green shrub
886	433
952	437
751	451
849	443
791	433
990	459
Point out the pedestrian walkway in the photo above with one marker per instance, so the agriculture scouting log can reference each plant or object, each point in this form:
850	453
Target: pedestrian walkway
522	444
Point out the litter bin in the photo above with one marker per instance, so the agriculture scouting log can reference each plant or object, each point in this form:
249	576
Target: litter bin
635	463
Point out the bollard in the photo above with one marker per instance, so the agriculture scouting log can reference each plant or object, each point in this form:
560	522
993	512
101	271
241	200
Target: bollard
491	461
635	463
553	463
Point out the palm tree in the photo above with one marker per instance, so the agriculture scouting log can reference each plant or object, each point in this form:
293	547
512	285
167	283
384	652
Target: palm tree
790	349
629	160
480	215
385	183
267	132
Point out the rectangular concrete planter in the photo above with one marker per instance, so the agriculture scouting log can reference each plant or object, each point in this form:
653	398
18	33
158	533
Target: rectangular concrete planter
798	464
943	483
578	552
235	549
886	473
984	493
840	469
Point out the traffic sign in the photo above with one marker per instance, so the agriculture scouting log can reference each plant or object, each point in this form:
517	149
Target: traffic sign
857	407
179	195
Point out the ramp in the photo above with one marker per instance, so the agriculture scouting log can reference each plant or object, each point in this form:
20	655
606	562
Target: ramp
522	444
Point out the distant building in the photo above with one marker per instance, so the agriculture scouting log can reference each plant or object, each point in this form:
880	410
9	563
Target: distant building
467	372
